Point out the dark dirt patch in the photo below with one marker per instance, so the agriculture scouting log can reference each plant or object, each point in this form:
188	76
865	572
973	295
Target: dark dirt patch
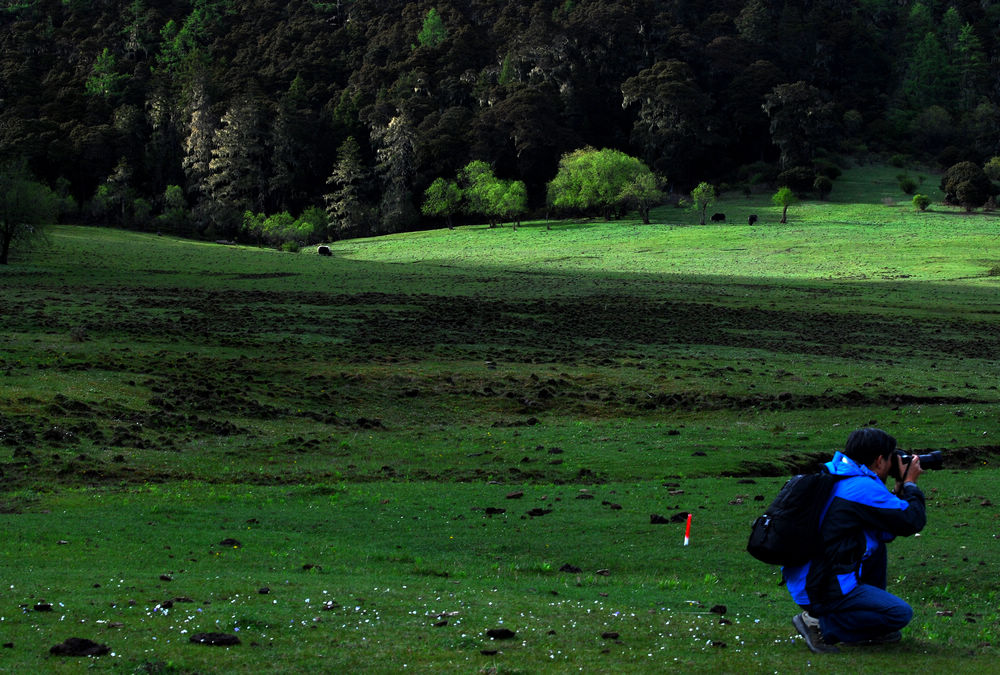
587	329
317	359
79	647
809	462
215	639
266	275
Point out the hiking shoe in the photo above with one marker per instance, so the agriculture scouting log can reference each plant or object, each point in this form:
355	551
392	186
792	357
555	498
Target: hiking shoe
808	628
884	639
809	620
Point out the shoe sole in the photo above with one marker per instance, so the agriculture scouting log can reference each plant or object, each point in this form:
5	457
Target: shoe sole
803	630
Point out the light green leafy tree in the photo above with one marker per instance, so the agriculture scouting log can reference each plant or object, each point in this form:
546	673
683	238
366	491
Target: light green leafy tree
703	197
486	195
784	198
442	199
602	180
643	192
512	201
477	183
314	220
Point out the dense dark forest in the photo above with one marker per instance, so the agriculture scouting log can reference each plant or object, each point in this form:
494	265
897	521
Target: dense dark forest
183	116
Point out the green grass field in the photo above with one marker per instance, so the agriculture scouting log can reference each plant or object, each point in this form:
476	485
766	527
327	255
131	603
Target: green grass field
429	436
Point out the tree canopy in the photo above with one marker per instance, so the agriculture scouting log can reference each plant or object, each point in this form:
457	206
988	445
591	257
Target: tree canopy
703	196
26	207
605	181
246	105
784	198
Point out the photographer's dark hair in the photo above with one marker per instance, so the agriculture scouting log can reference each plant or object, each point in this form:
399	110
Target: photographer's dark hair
864	445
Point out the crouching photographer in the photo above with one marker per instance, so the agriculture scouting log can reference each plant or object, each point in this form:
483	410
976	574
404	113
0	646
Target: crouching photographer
843	590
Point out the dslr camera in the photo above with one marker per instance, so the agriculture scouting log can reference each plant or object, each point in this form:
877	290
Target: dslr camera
932	460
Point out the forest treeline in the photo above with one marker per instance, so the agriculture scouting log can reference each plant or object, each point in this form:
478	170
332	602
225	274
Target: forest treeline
191	116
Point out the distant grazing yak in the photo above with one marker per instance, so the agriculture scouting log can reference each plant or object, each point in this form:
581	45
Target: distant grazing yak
718	217
752	219
324	250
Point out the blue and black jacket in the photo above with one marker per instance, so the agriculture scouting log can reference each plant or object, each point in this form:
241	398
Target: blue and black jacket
862	515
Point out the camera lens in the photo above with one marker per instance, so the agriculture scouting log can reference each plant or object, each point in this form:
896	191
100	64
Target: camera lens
932	460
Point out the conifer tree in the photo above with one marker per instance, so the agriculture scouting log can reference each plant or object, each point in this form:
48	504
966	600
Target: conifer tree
433	31
395	163
970	64
290	140
929	78
200	129
235	180
346	210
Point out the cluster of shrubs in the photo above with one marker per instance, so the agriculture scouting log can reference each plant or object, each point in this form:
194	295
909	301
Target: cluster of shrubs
971	186
964	184
283	231
817	178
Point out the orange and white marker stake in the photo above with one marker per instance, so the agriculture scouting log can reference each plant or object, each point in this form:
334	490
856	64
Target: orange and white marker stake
687	532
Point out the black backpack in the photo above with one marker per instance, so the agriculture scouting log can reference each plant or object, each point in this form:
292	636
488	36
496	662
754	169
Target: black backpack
788	532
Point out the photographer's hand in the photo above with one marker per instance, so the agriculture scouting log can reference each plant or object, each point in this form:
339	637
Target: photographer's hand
910	472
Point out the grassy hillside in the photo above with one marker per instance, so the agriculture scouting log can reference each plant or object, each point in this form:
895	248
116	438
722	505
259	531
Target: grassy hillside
440	422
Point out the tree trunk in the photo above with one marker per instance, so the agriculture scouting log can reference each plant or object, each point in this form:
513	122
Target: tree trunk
4	248
784	215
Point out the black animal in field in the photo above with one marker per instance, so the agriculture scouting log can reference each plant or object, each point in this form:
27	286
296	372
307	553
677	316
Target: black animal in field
752	219
718	217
